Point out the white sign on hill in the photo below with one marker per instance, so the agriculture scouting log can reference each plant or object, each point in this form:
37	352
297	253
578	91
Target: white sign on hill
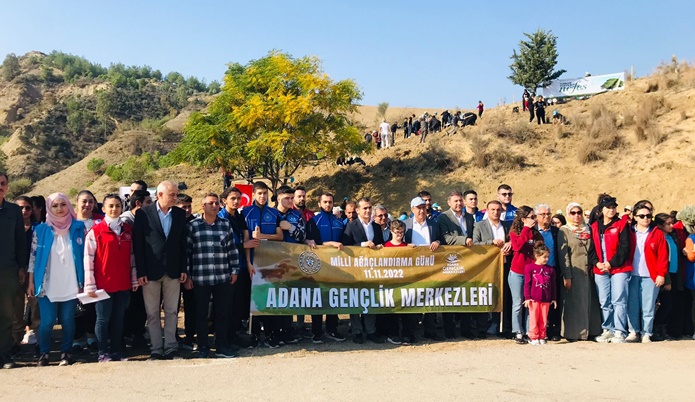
585	86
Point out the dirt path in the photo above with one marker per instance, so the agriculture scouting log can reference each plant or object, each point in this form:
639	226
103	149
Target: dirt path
485	370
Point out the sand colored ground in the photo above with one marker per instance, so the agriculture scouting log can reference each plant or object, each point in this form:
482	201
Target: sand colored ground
469	370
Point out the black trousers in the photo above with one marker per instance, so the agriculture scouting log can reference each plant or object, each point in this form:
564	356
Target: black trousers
473	323
241	301
317	324
531	114
189	312
397	324
221	294
540	115
135	315
505	319
555	314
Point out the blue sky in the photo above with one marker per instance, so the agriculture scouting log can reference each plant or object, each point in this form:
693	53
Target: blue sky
408	53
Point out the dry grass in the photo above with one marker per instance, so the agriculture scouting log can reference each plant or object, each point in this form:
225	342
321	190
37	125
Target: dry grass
519	132
602	135
562	132
683	115
647	111
479	147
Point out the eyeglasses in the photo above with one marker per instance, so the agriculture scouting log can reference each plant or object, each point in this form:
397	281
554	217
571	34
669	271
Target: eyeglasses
575	212
545	214
380	216
212	203
506	194
642	216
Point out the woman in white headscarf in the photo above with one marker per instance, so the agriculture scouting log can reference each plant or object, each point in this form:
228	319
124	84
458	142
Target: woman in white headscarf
581	315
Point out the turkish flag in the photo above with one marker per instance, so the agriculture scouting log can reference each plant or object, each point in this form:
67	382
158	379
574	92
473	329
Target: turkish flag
246	194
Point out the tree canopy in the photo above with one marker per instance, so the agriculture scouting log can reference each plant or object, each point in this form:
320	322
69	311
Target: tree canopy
273	115
534	65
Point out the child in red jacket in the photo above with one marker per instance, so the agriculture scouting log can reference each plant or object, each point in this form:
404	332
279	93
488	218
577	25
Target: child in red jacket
539	293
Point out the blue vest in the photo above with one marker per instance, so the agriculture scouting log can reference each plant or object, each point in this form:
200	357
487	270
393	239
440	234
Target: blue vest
330	228
266	218
293	217
44	235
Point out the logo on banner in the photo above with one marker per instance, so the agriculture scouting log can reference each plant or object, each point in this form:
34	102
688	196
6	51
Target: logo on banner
309	263
453	264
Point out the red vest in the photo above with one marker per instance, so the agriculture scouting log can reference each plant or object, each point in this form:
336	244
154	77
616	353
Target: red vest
655	252
612	237
112	270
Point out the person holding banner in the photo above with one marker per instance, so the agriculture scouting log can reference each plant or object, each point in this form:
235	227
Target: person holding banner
263	223
364	232
421	230
494	231
524	235
326	230
408	321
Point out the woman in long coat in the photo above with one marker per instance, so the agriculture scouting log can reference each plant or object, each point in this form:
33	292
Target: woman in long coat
581	315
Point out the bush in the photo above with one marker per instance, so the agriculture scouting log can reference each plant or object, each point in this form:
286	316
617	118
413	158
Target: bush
72	193
18	187
96	165
134	168
479	146
502	159
603	135
649	109
589	153
519	132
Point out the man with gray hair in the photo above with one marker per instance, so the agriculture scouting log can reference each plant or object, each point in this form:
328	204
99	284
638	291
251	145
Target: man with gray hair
381	216
549	233
159	245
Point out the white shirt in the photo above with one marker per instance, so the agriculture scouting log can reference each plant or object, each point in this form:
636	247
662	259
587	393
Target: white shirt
497	231
60	283
385	129
639	263
462	222
421	234
368	230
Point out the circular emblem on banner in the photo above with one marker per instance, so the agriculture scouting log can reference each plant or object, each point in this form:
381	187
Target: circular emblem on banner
309	263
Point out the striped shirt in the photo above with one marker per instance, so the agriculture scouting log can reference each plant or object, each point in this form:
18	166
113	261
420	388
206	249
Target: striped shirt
212	254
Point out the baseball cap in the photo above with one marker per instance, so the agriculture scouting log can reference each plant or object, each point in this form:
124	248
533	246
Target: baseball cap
416	202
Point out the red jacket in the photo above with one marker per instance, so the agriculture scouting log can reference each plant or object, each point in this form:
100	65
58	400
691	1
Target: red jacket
612	238
655	252
522	245
112	262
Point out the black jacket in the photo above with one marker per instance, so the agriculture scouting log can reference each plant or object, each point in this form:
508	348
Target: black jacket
156	254
354	234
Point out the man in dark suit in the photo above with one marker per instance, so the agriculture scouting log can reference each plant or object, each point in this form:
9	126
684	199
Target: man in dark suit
423	231
159	241
364	232
456	229
494	231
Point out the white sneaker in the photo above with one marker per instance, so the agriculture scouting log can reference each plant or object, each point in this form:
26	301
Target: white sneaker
646	338
606	336
29	338
543	341
632	337
534	342
618	338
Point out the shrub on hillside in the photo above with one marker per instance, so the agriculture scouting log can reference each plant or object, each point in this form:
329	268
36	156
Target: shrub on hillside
440	159
18	187
96	165
134	168
602	135
589	153
519	132
503	159
479	146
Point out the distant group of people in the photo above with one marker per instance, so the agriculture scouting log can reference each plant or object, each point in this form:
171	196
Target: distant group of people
574	275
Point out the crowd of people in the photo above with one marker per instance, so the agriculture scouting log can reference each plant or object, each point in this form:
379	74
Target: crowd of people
582	274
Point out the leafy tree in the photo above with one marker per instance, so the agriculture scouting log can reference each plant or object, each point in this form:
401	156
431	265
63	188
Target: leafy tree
534	65
96	165
215	87
273	116
382	108
10	67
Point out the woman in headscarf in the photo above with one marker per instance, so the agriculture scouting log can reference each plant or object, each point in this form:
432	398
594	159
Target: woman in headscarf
581	317
687	217
56	273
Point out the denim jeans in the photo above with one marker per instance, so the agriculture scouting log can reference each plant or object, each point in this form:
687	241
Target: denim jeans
111	320
642	296
49	312
519	313
612	297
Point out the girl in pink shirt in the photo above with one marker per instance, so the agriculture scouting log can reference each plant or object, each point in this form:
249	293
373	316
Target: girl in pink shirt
539	293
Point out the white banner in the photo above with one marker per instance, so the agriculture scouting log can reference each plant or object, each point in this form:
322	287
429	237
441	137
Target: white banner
585	86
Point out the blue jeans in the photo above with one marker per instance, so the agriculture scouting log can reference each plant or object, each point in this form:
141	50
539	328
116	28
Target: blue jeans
519	313
49	312
612	297
110	321
643	294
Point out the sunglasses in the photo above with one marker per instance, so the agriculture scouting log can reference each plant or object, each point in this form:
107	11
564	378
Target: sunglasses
380	216
575	212
506	194
642	216
531	217
27	208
